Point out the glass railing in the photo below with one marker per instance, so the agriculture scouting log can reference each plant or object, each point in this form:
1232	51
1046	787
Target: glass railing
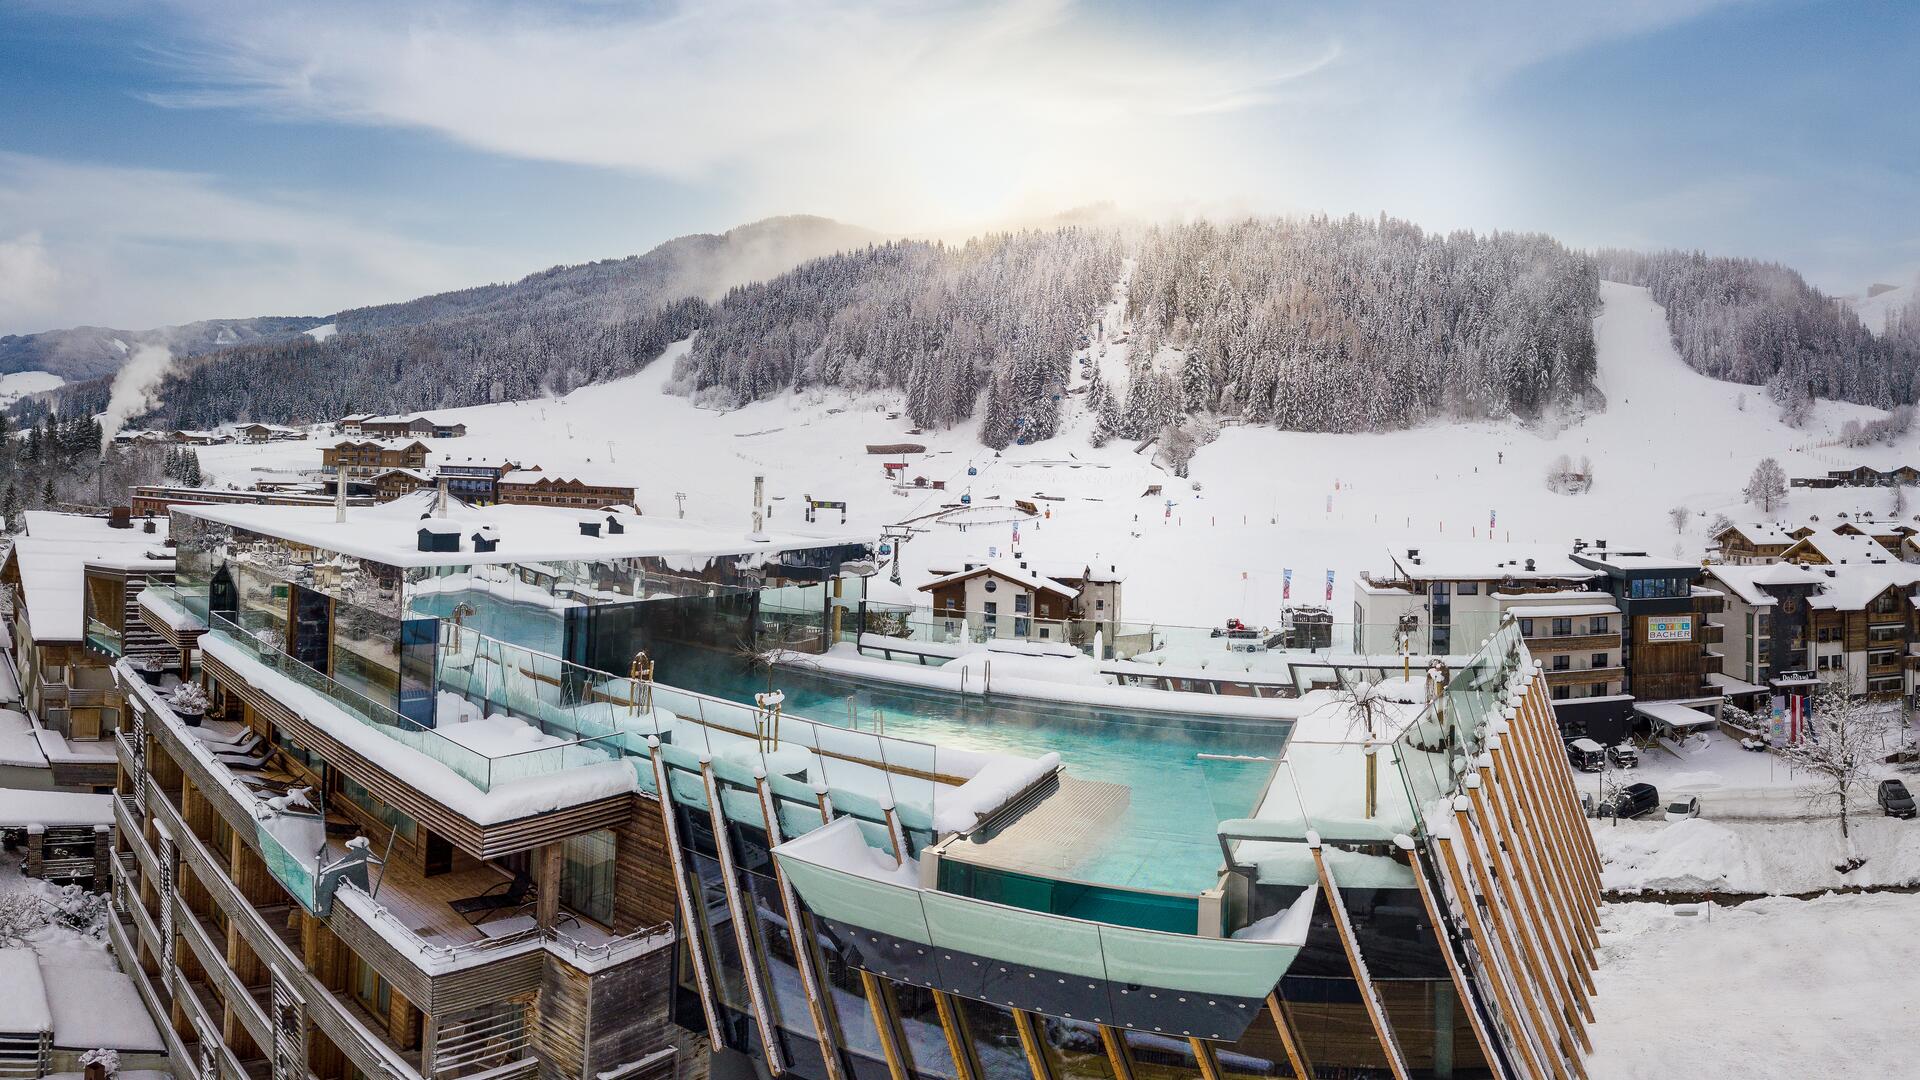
483	766
103	637
187	602
1174	644
1433	753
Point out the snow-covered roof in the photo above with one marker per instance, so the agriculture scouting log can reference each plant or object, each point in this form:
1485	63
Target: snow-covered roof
1851	586
1637	560
389	533
1059	571
1841	548
383	444
1009	570
23	996
1759	532
1673	714
20	808
568	475
53	556
1730	685
1456	560
1747	581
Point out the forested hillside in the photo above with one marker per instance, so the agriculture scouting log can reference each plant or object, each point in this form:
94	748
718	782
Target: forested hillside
997	318
547	333
1761	323
1312	324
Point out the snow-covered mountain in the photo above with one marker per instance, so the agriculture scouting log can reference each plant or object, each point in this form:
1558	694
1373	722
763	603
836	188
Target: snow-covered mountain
1258	501
80	353
1878	308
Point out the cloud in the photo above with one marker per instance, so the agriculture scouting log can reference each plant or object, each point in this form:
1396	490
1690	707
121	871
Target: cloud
27	277
136	248
897	114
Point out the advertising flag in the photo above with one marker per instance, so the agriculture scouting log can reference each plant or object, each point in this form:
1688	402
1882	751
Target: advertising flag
1286	584
1329	586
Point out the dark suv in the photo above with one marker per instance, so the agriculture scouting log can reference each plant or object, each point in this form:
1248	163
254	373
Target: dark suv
1633	801
1895	799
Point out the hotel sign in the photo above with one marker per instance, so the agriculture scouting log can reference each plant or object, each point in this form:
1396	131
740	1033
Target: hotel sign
1670	628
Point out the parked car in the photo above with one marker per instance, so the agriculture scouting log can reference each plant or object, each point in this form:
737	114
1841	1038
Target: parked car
1633	801
1680	809
1586	755
1894	798
1624	756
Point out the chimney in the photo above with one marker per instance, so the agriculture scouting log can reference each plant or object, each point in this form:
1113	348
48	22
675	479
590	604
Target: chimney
340	493
440	499
119	517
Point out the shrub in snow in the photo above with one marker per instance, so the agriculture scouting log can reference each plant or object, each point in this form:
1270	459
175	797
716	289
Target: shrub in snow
79	910
107	1061
188	698
20	915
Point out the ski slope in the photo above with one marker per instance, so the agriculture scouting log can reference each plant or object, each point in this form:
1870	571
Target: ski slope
1257	501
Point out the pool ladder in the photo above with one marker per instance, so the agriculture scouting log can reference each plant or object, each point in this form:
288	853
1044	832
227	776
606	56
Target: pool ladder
853	718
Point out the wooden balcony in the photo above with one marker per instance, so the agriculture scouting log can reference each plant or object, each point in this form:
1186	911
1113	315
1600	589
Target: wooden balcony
1547	644
364	1043
1583	676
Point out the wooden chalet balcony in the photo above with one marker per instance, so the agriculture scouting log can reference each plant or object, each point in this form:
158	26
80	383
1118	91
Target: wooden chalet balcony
1582	676
1540	643
265	931
1713	633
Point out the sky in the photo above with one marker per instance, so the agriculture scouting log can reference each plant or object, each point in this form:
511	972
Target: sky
173	160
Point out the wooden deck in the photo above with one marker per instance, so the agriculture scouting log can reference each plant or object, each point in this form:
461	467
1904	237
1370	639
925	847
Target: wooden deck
1068	827
421	903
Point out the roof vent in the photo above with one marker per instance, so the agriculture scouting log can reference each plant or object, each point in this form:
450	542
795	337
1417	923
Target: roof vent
614	526
1529	565
483	543
589	528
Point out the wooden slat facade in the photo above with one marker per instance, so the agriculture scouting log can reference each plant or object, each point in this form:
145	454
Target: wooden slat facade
490	841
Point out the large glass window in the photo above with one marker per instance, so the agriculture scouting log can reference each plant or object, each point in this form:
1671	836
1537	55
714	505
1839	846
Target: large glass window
370	804
586	874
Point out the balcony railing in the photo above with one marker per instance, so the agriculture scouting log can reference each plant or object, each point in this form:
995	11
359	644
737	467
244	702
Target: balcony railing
479	769
103	637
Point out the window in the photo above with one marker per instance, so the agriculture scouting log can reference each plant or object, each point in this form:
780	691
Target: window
1599	624
371	805
1526	627
1563	628
1468	588
1022	627
1599	660
1562	693
991	585
1563	662
1099	605
371	990
586	874
1022	604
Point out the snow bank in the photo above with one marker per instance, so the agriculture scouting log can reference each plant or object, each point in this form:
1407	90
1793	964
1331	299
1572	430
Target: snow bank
23	996
998	780
97	1007
843	846
1288	926
1701	855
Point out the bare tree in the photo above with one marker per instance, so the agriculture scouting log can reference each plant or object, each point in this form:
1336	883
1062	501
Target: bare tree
1678	516
1767	485
1843	742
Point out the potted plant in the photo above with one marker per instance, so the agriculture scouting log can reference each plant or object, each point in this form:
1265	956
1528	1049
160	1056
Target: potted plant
189	703
151	668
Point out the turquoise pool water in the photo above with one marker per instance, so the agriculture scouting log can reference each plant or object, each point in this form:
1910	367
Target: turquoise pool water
1166	838
531	626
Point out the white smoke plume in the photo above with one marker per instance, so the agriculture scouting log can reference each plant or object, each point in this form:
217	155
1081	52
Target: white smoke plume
134	388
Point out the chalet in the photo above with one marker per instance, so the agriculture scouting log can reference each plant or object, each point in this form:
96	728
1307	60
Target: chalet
1037	608
409	427
1861	476
76	578
531	487
1888	534
393	483
1753	542
367	457
262	433
1832	547
475	479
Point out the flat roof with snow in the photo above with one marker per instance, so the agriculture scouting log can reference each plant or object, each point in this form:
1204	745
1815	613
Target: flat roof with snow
390	533
53	556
